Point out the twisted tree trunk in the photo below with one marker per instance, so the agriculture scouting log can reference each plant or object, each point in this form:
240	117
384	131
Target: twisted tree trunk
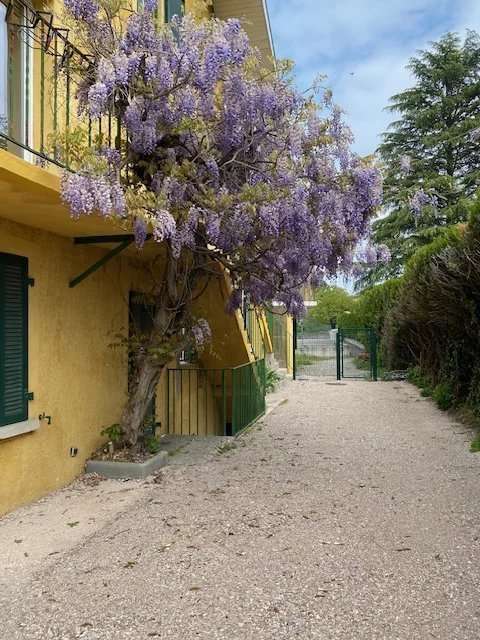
139	400
174	296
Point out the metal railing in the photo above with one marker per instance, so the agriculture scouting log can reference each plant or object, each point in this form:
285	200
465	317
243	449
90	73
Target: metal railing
248	394
44	72
252	323
282	337
215	401
254	328
357	353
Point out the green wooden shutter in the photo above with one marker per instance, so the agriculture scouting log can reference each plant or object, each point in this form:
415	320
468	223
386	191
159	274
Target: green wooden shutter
13	339
174	8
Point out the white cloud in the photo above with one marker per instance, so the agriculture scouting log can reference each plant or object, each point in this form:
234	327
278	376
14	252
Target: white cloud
363	46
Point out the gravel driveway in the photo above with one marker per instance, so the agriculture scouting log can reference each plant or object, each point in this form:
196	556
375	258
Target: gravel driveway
350	513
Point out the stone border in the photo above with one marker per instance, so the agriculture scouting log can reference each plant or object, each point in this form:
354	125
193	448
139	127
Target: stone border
134	470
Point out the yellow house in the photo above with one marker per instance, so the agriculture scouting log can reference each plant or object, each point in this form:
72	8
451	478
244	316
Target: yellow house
66	286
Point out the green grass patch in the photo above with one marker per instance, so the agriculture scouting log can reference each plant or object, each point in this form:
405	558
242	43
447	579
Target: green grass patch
362	362
304	359
426	392
475	445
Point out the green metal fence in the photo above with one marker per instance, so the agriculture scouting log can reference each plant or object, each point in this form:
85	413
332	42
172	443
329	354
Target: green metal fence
315	354
204	402
347	352
281	337
248	394
357	353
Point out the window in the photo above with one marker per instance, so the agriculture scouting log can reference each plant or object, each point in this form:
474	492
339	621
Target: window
15	79
13	339
3	73
174	8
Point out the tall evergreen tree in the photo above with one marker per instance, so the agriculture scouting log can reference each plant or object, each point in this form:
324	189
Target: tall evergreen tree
431	153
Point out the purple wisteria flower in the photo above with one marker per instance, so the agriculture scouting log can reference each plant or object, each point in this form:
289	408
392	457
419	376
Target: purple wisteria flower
224	160
86	195
370	255
421	199
150	5
98	95
140	231
85	10
164	226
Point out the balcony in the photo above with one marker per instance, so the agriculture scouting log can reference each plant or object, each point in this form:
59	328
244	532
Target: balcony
39	78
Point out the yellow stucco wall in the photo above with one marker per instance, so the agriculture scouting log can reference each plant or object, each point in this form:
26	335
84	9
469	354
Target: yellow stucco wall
199	8
74	373
289	342
75	376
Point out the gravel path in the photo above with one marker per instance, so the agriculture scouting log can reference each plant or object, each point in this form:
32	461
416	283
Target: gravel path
351	513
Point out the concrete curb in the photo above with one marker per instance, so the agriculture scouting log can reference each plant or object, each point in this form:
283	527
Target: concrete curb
134	470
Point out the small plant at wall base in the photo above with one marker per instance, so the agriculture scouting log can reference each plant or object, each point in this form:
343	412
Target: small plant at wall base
272	379
113	433
222	164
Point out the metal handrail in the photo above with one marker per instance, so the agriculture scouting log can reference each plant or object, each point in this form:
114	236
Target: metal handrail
221	401
59	62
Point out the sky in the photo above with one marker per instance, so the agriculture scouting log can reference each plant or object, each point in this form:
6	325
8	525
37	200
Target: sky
363	47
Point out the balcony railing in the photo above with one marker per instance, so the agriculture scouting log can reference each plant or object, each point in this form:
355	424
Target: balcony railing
40	120
255	328
215	401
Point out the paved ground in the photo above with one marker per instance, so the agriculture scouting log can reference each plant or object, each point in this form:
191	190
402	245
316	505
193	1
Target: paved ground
351	514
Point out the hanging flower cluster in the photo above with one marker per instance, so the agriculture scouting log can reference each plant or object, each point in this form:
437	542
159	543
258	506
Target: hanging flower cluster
421	199
221	157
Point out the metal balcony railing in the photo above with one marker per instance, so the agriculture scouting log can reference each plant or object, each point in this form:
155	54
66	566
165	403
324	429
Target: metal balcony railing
215	401
45	68
255	329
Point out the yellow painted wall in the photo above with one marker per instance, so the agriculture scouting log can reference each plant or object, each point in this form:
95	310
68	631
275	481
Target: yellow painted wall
76	377
199	8
289	342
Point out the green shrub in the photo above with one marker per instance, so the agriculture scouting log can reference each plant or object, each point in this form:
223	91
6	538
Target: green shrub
475	445
443	396
332	304
272	379
374	303
152	444
416	377
114	433
426	392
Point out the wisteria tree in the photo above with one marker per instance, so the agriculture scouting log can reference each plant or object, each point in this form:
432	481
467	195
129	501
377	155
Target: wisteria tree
224	165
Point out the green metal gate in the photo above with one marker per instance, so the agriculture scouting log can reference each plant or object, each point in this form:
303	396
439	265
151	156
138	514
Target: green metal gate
356	351
322	351
314	351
